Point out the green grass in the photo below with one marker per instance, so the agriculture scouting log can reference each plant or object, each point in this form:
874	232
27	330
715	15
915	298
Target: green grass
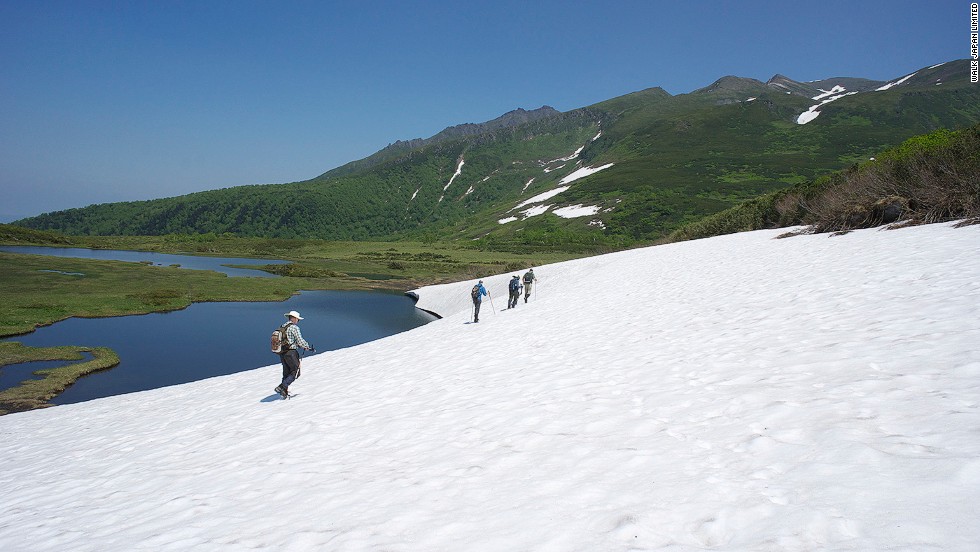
33	394
39	290
928	178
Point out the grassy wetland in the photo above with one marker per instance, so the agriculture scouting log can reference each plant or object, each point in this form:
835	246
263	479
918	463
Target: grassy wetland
35	393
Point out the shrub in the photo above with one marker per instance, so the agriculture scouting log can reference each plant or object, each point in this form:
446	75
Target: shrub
929	178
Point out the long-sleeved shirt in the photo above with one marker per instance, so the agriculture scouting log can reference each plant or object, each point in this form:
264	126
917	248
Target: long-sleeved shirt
295	338
480	293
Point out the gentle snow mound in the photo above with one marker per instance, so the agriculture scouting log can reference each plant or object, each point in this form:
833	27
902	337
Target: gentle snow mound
738	393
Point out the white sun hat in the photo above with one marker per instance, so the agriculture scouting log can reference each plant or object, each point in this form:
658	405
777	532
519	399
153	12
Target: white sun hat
293	313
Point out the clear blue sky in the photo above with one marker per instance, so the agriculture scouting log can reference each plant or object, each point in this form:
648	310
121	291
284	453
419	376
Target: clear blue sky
106	101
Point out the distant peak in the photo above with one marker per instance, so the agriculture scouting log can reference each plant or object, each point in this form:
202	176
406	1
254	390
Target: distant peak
521	113
730	86
781	80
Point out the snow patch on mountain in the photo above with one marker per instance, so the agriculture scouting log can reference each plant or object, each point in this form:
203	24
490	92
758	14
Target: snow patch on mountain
544	196
535	211
568	158
459	171
576	211
546	164
895	83
582	173
837	89
564	184
813	112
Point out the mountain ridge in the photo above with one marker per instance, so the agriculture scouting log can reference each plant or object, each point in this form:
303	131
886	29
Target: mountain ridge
511	118
666	160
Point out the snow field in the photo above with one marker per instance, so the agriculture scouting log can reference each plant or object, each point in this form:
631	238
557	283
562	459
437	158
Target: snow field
736	393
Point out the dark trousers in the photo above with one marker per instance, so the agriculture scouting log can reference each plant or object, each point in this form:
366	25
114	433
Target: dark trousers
514	296
290	367
476	310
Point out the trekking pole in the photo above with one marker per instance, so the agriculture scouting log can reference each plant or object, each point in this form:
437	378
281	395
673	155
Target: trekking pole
491	303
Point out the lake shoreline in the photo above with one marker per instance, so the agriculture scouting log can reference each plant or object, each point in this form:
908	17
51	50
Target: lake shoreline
156	342
35	393
71	289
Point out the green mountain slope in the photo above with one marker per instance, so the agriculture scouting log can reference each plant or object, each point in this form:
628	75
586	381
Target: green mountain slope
665	160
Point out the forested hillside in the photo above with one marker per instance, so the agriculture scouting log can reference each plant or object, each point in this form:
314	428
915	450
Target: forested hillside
651	162
927	179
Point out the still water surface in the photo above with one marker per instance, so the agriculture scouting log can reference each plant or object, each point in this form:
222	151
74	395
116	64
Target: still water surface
158	259
213	339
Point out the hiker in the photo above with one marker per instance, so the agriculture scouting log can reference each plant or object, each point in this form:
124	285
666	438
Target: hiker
529	279
478	292
290	357
515	291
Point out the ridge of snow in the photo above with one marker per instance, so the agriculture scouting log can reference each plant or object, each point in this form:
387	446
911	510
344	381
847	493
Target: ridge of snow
737	393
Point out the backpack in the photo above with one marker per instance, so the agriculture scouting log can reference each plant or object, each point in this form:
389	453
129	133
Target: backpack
280	343
528	277
514	284
475	293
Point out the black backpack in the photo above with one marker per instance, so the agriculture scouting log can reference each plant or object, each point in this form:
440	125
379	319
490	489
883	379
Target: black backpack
280	343
475	292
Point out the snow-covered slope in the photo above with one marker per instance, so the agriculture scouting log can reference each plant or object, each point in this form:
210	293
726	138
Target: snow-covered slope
737	393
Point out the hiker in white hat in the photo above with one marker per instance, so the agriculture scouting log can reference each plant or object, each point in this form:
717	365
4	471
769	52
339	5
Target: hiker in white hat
290	356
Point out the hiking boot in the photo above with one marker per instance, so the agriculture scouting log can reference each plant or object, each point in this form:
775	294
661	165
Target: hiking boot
282	391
